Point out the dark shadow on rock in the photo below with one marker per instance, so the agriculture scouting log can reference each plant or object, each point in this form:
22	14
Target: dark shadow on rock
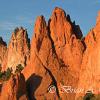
84	44
32	84
0	88
21	87
54	81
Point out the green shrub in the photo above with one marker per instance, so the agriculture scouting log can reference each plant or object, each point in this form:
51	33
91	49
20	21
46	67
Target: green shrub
19	68
8	73
89	96
0	74
4	76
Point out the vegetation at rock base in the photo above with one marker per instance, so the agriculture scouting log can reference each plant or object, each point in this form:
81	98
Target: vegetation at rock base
90	96
19	68
4	76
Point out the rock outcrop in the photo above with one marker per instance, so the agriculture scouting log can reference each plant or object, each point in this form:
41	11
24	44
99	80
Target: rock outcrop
18	49
41	55
55	56
66	37
14	88
3	48
58	56
90	69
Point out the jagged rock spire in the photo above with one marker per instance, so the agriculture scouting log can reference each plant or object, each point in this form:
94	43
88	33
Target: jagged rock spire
98	18
18	49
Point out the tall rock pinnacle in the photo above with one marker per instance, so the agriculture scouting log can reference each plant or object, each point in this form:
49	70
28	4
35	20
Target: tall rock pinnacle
60	27
40	58
18	49
3	48
51	47
90	69
98	18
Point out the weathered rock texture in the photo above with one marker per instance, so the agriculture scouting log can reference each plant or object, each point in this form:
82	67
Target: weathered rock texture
3	48
14	89
59	56
18	49
55	57
90	69
41	55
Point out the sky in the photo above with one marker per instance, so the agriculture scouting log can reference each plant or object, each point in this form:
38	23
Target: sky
16	13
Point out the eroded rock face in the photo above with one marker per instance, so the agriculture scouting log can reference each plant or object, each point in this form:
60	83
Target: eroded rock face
62	29
66	37
56	55
18	50
59	56
3	48
41	54
90	69
98	18
14	89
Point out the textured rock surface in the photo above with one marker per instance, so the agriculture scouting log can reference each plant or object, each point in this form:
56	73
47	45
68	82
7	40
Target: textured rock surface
3	48
41	53
52	49
67	38
14	89
59	56
90	69
62	29
18	50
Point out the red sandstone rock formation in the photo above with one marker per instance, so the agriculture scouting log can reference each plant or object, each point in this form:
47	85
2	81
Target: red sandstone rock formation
41	55
59	55
14	89
67	39
3	48
56	55
90	69
18	50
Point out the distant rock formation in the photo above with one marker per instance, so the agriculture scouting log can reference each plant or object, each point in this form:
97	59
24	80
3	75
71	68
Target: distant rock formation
3	48
18	49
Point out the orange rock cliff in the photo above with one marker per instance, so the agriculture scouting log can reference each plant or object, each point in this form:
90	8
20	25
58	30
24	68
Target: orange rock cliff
58	56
